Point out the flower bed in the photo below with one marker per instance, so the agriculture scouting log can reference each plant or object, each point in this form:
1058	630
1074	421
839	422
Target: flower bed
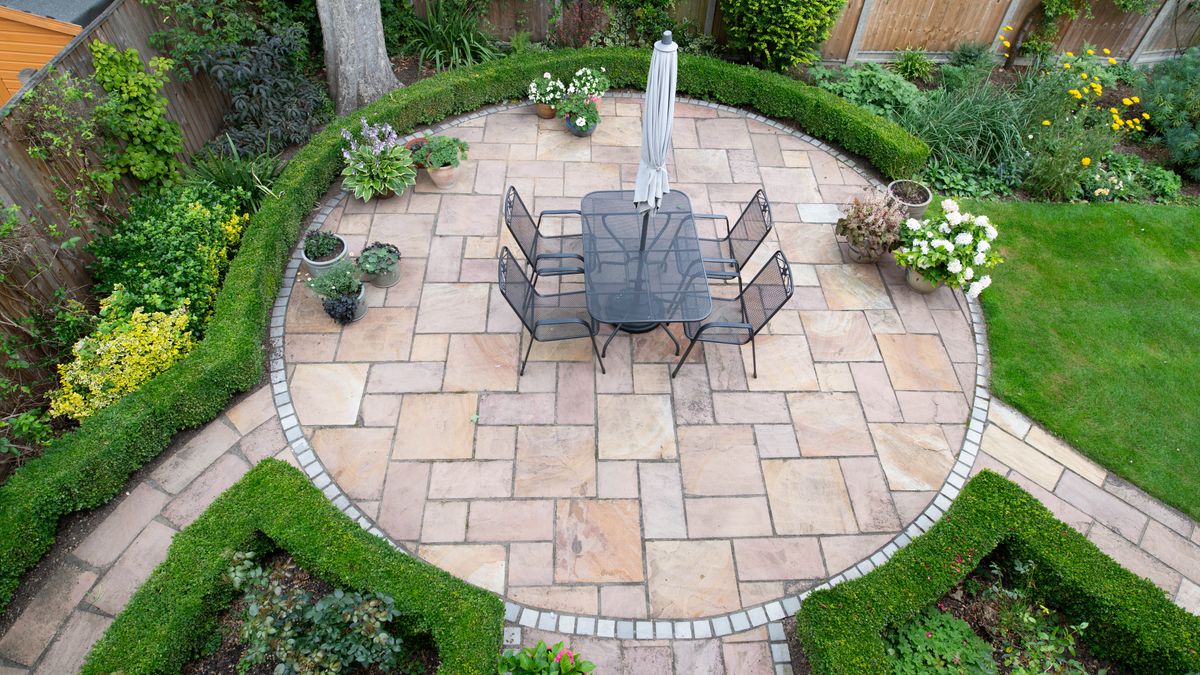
1131	621
177	611
86	468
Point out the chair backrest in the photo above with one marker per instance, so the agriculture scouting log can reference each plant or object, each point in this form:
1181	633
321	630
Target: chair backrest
521	223
515	288
768	292
751	228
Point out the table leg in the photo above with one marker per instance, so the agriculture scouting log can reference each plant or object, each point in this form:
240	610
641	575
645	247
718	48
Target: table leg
670	335
604	351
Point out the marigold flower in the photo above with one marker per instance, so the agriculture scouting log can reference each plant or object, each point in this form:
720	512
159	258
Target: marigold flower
1071	54
1086	161
1126	101
1136	99
1006	56
1146	115
1083	76
1008	28
1116	125
1067	66
1006	44
1091	52
1106	51
1045	123
1112	61
1112	110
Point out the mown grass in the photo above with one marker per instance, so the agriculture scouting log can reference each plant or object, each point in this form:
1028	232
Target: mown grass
1094	326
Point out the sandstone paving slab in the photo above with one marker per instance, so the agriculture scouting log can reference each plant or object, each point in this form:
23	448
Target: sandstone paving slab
720	460
190	503
406	378
511	520
784	364
356	457
69	651
778	558
581	599
1062	453
853	287
690	578
1146	504
118	584
556	461
435	426
328	393
808	496
869	494
453	308
530	564
840	336
624	601
34	629
843	552
698	656
480	564
181	468
471	480
115	532
597	541
247	414
751	658
662	501
830	424
715	517
914	456
692	397
1017	454
751	408
635	427
482	362
1134	559
444	522
918	362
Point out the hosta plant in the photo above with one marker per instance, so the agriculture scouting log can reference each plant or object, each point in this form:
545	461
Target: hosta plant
547	89
543	660
377	163
872	224
956	250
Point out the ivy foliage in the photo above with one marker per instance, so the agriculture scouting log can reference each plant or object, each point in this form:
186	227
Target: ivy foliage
143	141
779	34
194	28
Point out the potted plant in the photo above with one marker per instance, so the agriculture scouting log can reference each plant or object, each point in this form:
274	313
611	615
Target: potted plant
871	226
377	163
580	113
380	264
322	250
546	92
955	250
414	146
589	83
913	195
341	292
540	659
441	156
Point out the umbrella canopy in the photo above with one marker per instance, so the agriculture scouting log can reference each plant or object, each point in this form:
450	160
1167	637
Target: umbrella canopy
658	117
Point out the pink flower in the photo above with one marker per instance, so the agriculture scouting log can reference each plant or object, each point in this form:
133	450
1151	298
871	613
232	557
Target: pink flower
595	99
566	652
928	633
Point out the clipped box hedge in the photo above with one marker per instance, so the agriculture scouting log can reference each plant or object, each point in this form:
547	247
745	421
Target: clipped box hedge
88	467
177	611
1130	620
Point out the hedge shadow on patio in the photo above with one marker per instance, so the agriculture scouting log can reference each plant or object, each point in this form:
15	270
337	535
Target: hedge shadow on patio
274	506
1130	620
88	467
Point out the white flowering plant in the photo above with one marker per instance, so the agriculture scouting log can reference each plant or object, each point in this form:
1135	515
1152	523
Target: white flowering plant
589	83
547	89
956	250
580	110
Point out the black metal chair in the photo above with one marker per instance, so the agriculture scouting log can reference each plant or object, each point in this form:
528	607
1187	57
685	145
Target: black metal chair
547	256
547	317
726	257
737	320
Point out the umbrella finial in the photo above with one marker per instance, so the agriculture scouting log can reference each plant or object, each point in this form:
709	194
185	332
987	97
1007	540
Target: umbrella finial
666	38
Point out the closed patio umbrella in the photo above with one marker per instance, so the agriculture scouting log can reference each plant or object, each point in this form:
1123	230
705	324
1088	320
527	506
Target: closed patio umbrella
658	116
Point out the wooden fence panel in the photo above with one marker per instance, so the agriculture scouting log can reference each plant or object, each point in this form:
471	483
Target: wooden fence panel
838	45
1109	27
198	106
507	17
934	25
1180	30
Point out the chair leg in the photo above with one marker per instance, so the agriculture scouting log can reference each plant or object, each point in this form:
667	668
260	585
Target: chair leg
754	357
671	335
527	351
683	358
597	353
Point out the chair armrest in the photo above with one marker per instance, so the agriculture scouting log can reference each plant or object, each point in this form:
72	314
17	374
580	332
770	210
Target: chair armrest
554	271
557	212
563	322
558	256
717	216
725	261
722	324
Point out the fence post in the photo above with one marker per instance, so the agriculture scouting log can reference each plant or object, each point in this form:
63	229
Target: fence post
859	29
1009	14
710	15
1151	34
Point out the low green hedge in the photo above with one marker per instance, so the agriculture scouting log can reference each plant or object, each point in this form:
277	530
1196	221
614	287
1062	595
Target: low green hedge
1130	620
87	468
177	611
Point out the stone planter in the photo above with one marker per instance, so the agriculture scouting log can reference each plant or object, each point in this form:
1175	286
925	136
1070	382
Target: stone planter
360	310
913	195
318	267
580	132
443	176
858	255
386	279
918	283
546	111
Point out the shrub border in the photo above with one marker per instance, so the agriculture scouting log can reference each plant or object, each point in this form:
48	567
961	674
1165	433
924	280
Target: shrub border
88	467
1130	620
176	611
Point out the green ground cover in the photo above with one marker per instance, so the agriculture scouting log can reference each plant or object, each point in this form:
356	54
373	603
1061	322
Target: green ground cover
1094	326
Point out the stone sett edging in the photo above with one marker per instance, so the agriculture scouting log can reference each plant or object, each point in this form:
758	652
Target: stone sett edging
768	614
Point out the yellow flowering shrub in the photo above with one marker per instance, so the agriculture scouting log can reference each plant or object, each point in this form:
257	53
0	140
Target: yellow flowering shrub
233	228
119	357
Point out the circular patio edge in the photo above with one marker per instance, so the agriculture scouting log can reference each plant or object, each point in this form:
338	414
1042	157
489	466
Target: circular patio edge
718	625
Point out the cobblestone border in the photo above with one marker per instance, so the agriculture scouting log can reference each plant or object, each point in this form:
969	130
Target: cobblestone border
768	614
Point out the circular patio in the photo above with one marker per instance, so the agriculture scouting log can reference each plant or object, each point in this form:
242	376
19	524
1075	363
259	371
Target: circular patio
629	494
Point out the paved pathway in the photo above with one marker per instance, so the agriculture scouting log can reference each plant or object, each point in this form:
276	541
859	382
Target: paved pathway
53	632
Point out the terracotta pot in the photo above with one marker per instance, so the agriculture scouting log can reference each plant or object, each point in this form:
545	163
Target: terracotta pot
546	111
414	146
859	256
443	176
318	267
916	209
581	132
919	283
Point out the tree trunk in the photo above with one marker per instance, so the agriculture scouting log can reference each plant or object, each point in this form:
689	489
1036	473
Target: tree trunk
356	61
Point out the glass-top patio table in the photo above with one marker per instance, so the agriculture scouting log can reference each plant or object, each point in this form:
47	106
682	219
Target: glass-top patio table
638	278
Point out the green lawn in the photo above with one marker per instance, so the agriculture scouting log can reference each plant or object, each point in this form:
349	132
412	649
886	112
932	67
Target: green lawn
1094	325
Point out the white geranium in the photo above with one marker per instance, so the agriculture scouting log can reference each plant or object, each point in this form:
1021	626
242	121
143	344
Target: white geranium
949	206
954	218
963	238
984	246
981	221
913	224
547	90
969	273
955	249
980	258
954	266
991	232
944	228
